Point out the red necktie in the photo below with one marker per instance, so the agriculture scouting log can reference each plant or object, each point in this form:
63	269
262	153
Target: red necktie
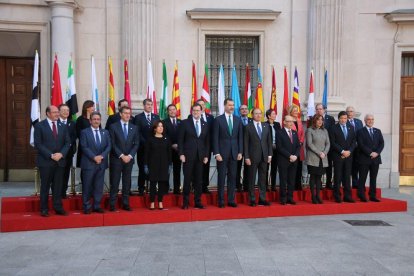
290	136
54	130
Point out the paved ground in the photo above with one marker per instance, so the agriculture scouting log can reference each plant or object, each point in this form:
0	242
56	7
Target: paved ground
318	245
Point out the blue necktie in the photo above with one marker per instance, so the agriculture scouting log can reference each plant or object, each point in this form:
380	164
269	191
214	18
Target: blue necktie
344	131
197	129
98	141
371	133
149	119
244	121
259	130
125	131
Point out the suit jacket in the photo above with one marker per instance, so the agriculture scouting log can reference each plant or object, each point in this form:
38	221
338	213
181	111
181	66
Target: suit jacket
115	118
358	125
170	131
71	125
90	149
144	127
276	127
47	145
249	120
339	143
367	145
228	146
285	147
328	122
120	145
256	148
191	146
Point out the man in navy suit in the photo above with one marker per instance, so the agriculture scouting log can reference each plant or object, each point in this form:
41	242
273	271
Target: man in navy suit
172	124
356	124
328	122
242	185
64	119
371	144
275	127
144	122
114	118
343	143
125	142
193	149
227	149
288	150
52	141
96	145
257	155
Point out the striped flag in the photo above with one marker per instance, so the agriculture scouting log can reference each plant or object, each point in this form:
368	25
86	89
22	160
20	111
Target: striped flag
248	99
295	96
205	93
35	110
56	94
311	99
285	95
235	92
193	86
164	88
259	102
127	90
273	99
176	92
71	99
111	92
94	88
151	88
325	90
221	92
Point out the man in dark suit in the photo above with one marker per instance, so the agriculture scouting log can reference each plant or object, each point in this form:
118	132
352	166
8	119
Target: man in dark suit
241	185
227	149
52	141
114	118
257	155
371	144
125	142
288	153
172	124
144	122
96	145
275	127
343	143
64	119
194	149
356	124
328	122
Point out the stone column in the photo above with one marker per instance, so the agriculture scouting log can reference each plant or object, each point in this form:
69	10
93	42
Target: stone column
138	44
325	31
62	36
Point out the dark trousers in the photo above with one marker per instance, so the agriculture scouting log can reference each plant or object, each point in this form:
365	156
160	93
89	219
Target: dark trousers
115	173
315	184
363	173
142	176
192	174
259	168
329	172
242	185
176	171
92	186
298	176
273	170
287	176
66	174
226	168
162	190
342	174
206	174
51	177
355	171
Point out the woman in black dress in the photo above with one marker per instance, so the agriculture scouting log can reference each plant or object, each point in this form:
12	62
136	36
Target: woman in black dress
158	163
81	123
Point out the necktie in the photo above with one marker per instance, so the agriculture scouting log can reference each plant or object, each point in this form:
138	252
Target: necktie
344	131
259	130
244	121
273	134
371	133
125	131
64	122
230	126
353	123
290	136
197	129
54	130
149	119
174	123
203	118
98	141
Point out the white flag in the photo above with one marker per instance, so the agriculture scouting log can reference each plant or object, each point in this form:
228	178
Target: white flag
221	94
95	94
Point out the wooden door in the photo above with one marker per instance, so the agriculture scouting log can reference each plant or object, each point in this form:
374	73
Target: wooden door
407	127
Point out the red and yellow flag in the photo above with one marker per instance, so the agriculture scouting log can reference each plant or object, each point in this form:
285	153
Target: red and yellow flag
176	91
295	96
285	96
193	86
56	94
111	92
273	100
127	91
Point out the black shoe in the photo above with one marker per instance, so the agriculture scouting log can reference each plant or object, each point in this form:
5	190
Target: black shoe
319	200
177	192
374	199
99	210
44	213
87	212
329	187
64	196
140	193
273	189
363	199
232	204
221	205
252	204
61	212
199	206
291	202
263	203
206	191
185	206
112	209
127	208
314	200
283	203
349	200
338	200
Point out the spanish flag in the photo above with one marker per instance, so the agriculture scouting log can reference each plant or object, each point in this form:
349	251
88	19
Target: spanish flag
273	100
193	86
259	103
111	93
176	91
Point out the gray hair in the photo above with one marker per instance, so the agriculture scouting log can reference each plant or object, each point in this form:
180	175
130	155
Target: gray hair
368	115
349	107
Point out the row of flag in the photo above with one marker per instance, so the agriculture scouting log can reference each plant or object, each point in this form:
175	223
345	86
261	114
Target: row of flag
251	100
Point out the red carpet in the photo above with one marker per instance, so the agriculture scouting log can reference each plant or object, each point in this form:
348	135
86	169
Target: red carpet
22	213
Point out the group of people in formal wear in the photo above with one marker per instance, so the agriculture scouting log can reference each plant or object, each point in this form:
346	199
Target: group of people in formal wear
249	152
